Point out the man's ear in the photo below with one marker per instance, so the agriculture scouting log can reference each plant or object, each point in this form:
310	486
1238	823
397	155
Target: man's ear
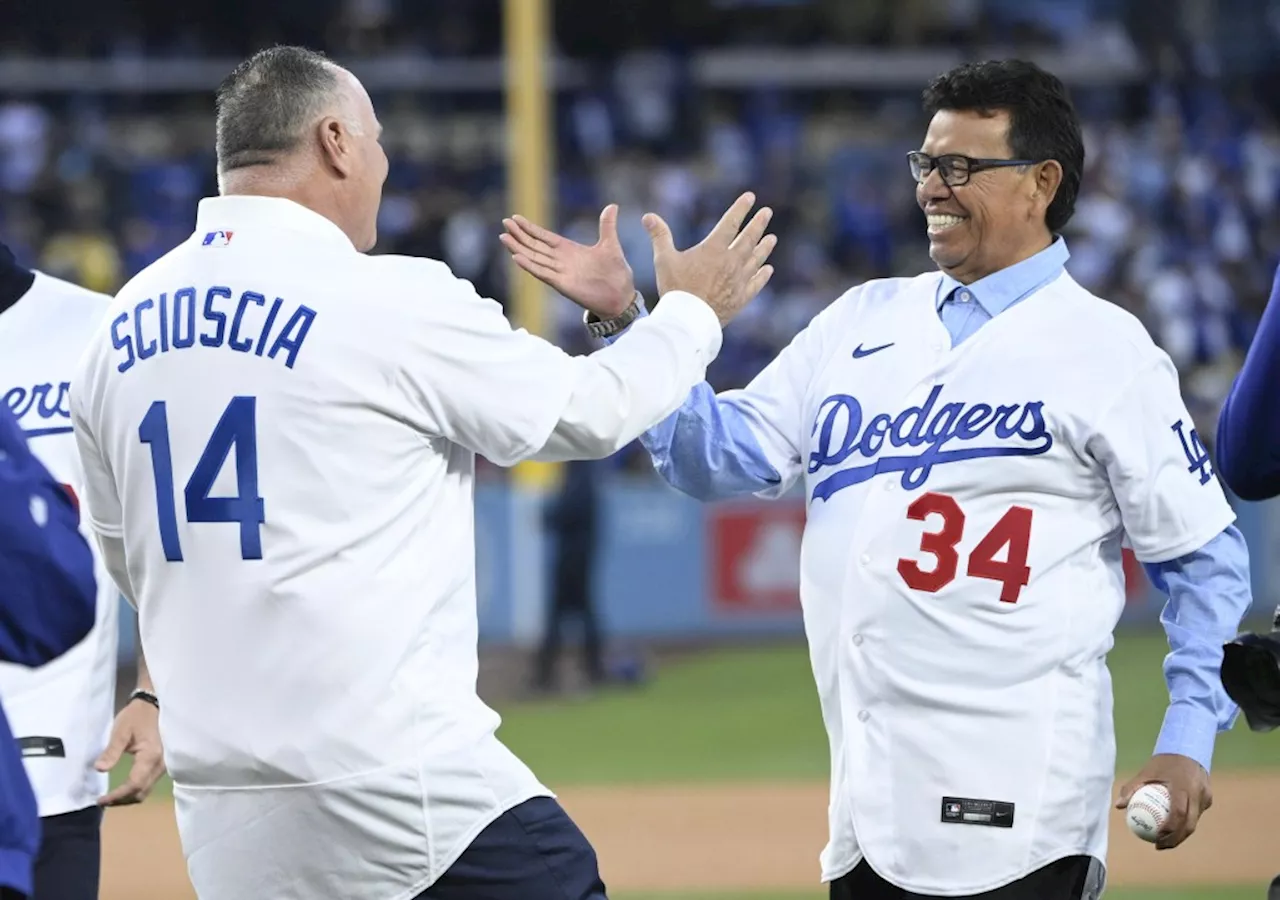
1047	181
335	144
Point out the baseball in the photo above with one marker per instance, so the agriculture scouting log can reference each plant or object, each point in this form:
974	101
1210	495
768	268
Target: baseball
1147	811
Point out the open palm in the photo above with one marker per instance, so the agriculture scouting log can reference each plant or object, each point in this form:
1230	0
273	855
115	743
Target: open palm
597	278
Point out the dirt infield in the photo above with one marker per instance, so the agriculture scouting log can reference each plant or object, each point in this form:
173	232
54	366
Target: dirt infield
679	837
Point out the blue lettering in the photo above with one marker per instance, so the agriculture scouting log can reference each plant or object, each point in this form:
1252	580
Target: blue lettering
163	308
212	315
245	299
838	434
184	297
873	437
973	422
122	342
918	415
266	329
147	350
301	319
823	455
16	400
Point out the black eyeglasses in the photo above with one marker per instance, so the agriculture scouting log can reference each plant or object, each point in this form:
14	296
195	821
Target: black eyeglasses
956	169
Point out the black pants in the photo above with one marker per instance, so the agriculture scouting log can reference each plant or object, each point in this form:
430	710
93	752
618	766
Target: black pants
531	852
571	598
1066	879
70	857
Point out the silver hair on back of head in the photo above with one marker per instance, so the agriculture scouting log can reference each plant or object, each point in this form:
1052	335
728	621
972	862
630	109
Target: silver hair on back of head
265	105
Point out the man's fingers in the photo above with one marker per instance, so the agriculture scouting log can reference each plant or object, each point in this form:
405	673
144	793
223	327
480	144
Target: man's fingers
1126	793
521	238
659	233
758	281
1174	830
731	222
549	237
112	754
762	251
546	260
609	224
754	231
536	269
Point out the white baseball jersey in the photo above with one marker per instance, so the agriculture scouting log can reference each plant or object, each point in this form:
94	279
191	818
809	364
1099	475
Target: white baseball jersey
61	712
961	565
282	431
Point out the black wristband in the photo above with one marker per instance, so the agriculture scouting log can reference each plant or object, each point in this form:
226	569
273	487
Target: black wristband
145	697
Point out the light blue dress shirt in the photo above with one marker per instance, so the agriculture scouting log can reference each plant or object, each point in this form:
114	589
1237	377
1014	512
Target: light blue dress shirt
706	449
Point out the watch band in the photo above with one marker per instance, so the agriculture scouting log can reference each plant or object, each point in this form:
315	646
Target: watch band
609	327
145	697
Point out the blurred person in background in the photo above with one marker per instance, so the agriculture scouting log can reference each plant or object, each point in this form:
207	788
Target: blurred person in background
893	387
573	522
48	605
61	714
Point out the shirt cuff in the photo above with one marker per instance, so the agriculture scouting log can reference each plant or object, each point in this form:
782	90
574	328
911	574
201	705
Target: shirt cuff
1188	731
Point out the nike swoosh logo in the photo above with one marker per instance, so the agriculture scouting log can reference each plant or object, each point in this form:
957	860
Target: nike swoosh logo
858	352
41	432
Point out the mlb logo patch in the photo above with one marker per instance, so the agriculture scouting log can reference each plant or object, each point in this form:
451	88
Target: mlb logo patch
217	239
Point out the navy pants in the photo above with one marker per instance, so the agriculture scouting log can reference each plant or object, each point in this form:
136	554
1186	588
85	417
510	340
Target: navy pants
1073	878
70	856
530	852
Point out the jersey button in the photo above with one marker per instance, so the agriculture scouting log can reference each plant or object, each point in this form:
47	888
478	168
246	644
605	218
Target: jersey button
857	640
863	715
888	485
865	559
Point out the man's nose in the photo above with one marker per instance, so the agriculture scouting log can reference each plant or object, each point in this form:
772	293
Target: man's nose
933	187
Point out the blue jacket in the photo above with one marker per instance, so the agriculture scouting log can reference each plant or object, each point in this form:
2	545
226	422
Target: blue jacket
47	606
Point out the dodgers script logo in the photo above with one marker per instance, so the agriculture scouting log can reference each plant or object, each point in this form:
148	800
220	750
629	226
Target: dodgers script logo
41	409
933	437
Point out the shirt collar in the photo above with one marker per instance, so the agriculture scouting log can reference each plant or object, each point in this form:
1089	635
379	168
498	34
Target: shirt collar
1000	290
227	214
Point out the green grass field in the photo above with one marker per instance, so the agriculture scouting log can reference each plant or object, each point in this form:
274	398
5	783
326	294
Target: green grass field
753	713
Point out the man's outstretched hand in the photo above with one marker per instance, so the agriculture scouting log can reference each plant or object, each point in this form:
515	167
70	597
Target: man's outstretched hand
597	278
726	269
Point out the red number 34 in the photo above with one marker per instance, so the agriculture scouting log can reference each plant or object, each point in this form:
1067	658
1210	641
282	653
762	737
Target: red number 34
1013	529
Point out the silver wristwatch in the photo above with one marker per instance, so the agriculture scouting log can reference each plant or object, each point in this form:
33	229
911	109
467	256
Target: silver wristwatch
609	327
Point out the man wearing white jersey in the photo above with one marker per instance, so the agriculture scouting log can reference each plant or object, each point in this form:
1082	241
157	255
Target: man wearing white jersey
975	444
61	712
279	434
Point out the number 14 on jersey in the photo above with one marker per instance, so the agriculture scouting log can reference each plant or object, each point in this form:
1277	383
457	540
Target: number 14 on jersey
237	429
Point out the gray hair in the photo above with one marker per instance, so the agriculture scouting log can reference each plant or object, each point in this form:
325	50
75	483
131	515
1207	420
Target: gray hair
267	103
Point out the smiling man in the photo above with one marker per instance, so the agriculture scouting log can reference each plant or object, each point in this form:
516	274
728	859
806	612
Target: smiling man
975	445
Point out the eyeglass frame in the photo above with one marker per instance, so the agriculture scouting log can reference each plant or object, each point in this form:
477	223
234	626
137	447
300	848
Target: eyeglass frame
975	165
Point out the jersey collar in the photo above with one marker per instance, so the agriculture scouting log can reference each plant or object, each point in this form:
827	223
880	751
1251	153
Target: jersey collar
223	216
1001	290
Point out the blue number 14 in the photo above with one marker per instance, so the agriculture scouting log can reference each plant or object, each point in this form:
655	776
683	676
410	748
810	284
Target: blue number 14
237	428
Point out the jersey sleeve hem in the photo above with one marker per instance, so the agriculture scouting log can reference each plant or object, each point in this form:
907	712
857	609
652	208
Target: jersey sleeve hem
1188	544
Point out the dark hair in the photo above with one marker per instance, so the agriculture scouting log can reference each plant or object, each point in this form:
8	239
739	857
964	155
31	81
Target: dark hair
1042	120
264	105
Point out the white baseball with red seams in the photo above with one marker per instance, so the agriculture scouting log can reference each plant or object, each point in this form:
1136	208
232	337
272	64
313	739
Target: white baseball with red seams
1147	811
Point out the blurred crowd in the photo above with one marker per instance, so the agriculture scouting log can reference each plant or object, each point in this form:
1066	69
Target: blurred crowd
1176	221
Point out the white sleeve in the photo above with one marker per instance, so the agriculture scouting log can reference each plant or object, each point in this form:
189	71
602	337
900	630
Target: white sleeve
1170	501
629	386
501	392
100	505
